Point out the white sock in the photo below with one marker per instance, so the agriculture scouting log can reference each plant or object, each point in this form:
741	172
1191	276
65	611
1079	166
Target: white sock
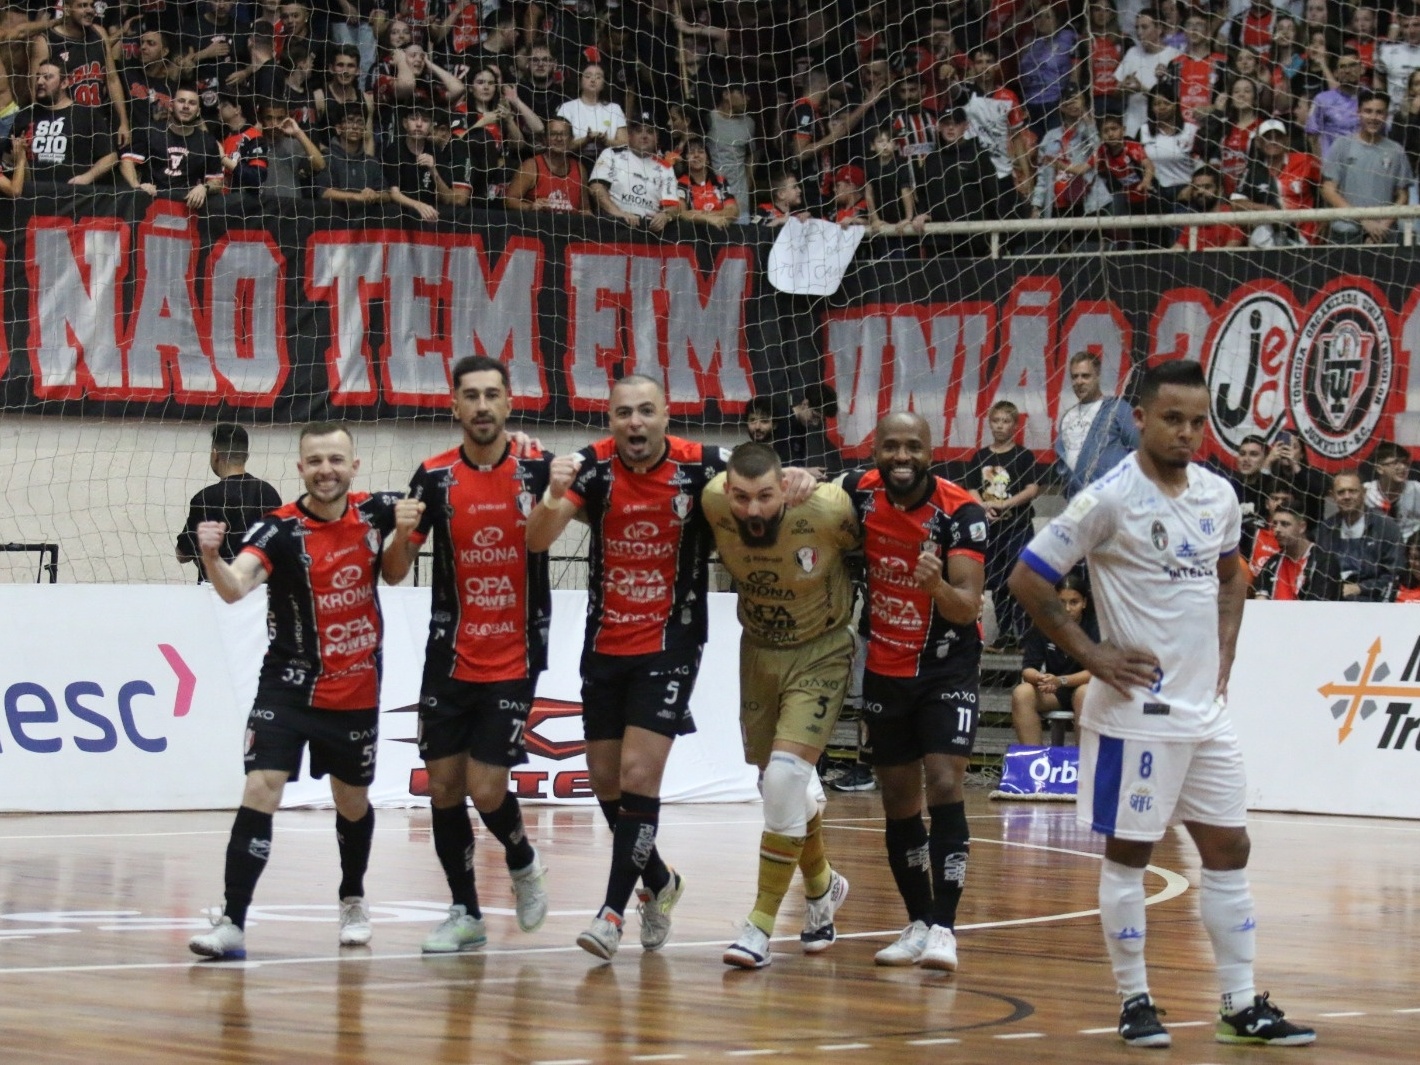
1122	915
1225	904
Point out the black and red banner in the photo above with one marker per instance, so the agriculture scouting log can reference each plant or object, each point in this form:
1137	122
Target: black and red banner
127	308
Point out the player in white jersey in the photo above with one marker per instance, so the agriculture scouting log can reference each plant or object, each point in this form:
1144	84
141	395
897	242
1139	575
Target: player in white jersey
1160	535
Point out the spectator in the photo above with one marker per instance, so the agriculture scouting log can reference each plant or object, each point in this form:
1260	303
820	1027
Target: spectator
12	176
1367	169
1067	185
704	193
262	73
786	200
341	93
1196	75
1300	570
212	54
849	203
350	28
1097	57
1140	68
541	87
83	55
1361	38
492	119
243	146
16	28
1399	59
1204	195
1252	28
956	183
418	177
1001	477
296	27
454	32
238	498
1393	492
182	158
1251	483
1287	58
759	421
1051	680
419	79
631	184
889	187
596	124
1406	589
294	85
68	144
1336	112
552	180
1125	168
1169	143
1264	542
149	83
811	139
805	441
1279	180
998	121
1096	433
912	128
352	174
729	137
1046	64
1228	132
1367	544
292	158
498	48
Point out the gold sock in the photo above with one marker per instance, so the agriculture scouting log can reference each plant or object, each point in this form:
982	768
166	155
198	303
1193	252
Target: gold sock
778	857
813	862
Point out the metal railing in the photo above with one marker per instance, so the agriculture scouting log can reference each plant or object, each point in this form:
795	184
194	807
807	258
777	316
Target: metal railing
43	550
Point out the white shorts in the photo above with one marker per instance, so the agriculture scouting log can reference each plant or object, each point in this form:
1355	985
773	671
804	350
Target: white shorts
1135	789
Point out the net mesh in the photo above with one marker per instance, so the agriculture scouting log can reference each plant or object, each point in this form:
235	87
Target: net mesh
138	314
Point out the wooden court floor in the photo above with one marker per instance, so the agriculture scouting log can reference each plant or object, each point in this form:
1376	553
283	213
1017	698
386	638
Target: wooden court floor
95	912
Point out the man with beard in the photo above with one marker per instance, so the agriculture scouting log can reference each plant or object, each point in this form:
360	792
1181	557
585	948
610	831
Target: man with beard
321	557
69	145
486	646
181	156
796	651
759	421
1160	535
924	539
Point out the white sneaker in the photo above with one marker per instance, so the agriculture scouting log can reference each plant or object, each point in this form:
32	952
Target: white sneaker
819	932
750	951
941	952
909	947
355	930
603	935
530	890
459	932
226	942
655	911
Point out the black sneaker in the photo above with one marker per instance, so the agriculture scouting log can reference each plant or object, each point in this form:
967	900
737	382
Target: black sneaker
1262	1023
857	778
1139	1023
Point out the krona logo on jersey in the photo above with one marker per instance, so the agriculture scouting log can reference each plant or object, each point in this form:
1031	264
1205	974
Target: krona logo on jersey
1360	694
96	718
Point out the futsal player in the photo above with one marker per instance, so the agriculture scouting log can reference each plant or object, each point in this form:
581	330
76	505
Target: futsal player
487	644
1160	534
924	539
796	651
320	680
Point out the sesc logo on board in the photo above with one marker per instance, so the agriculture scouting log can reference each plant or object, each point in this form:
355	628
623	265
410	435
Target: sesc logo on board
1341	373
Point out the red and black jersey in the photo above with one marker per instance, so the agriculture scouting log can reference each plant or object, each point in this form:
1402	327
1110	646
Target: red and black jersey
650	543
85	62
1197	81
322	611
1101	52
492	600
709	195
906	635
1123	171
249	146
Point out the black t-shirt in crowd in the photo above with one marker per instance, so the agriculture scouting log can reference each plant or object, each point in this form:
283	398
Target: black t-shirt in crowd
415	181
996	477
66	142
175	160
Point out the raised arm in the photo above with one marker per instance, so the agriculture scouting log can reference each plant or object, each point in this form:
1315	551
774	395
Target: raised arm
232	580
554	511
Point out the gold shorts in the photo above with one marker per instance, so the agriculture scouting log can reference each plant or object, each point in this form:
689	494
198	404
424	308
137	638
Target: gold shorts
792	693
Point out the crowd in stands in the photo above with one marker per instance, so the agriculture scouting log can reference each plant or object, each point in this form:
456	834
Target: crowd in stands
712	112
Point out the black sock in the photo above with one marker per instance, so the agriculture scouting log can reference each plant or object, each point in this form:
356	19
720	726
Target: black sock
632	844
909	860
248	848
453	843
656	875
354	839
506	823
949	843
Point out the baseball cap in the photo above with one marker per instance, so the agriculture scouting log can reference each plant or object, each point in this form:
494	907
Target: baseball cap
853	175
1272	125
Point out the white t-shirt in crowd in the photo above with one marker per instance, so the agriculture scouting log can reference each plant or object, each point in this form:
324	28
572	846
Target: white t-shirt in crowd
1075	426
1153	562
1144	66
1171	154
639	184
601	117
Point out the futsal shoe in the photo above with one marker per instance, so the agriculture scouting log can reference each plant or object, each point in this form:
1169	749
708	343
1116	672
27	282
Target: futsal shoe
941	950
908	948
819	932
355	930
655	910
226	942
603	935
530	890
459	932
1262	1024
751	950
1139	1023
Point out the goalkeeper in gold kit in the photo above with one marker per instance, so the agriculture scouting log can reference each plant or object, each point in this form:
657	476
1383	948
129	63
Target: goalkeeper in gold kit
795	601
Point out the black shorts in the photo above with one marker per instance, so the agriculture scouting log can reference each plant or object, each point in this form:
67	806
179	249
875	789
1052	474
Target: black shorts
484	721
905	718
648	691
342	742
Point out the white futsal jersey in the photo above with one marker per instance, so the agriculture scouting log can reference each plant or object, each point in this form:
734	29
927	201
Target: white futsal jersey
1154	581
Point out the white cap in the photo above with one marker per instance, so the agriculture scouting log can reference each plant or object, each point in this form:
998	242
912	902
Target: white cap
1272	125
